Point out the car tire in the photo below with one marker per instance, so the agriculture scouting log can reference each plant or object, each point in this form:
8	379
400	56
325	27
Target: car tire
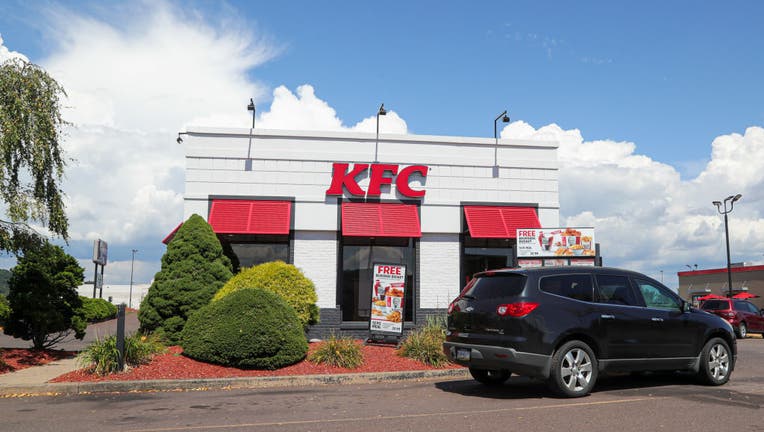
490	377
574	370
715	362
742	331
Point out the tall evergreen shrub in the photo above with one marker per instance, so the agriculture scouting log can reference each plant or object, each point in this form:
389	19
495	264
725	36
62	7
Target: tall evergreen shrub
193	269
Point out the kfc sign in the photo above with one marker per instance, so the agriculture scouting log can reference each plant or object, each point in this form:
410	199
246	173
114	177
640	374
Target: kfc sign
381	174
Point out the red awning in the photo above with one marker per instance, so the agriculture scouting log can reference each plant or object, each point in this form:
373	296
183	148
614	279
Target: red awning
250	216
380	220
170	236
499	221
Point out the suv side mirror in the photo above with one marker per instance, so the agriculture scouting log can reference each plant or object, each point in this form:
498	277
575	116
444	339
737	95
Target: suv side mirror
686	306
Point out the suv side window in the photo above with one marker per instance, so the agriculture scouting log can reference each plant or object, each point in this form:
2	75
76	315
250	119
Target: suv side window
615	290
656	296
575	286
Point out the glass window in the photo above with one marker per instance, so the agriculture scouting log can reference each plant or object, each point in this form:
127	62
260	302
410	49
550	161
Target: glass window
247	250
497	286
615	290
359	254
715	305
656	297
577	286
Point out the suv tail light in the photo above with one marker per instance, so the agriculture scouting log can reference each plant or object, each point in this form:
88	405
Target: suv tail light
519	309
453	307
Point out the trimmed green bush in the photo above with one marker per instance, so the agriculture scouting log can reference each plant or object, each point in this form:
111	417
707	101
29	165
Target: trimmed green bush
341	352
426	343
102	357
249	328
5	309
95	310
284	279
193	269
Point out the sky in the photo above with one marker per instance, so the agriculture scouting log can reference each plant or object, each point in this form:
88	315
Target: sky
658	106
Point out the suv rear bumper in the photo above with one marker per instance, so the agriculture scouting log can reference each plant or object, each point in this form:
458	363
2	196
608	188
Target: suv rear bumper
500	358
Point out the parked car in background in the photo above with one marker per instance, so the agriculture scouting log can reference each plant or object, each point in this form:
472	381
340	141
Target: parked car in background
744	316
568	324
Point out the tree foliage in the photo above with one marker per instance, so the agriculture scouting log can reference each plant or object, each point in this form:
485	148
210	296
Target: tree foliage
31	158
193	269
43	296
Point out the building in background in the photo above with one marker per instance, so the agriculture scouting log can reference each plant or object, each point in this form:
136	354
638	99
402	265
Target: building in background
336	203
745	278
117	294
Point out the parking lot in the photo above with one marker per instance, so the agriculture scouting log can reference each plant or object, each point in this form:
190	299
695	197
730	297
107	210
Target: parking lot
621	403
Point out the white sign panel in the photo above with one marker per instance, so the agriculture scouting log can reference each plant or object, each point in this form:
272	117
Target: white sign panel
387	298
555	242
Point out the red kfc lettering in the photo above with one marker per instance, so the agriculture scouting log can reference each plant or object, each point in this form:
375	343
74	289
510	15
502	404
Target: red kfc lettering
377	178
340	178
402	182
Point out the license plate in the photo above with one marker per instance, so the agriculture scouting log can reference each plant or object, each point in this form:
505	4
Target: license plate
462	354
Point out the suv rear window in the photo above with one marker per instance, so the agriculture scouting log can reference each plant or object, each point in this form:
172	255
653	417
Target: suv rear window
715	305
578	286
496	286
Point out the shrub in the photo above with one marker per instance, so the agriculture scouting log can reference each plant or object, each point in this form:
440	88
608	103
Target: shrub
193	269
102	356
426	344
95	310
5	309
341	352
249	328
284	279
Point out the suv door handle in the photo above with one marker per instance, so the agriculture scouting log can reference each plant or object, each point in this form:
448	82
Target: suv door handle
657	319
607	316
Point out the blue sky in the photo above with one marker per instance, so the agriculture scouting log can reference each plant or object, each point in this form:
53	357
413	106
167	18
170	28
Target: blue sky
653	80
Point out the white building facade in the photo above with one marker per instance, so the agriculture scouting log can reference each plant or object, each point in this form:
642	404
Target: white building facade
335	203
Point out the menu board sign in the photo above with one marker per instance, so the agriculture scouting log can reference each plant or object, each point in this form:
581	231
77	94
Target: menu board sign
555	242
387	298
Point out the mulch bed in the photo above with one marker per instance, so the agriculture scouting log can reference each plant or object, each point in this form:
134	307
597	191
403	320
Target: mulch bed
174	365
13	359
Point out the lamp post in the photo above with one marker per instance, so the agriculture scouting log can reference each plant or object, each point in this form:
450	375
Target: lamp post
504	119
380	112
251	107
731	200
132	266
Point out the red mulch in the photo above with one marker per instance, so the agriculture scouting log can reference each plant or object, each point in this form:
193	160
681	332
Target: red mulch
13	359
174	365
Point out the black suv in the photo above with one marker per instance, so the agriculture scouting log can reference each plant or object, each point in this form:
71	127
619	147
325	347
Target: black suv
568	324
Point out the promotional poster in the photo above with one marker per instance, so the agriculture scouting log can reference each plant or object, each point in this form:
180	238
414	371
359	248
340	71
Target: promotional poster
388	289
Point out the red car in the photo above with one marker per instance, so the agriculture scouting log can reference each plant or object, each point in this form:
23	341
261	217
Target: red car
744	316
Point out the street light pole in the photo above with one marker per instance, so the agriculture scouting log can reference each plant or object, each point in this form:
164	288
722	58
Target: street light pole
380	111
731	199
504	119
132	266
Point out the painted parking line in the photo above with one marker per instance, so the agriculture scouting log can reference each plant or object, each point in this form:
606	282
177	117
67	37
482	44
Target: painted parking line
396	417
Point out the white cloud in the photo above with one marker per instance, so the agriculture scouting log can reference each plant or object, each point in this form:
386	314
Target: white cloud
6	54
648	218
305	111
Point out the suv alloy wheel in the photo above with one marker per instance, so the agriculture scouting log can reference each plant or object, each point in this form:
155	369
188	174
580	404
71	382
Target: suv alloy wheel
715	362
574	370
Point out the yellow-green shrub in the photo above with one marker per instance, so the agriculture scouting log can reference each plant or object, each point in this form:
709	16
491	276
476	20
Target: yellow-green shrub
283	279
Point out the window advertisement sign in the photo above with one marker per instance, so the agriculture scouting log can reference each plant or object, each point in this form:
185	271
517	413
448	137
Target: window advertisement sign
388	289
555	242
529	263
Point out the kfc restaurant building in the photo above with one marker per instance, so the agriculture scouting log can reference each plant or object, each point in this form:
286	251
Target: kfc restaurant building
320	201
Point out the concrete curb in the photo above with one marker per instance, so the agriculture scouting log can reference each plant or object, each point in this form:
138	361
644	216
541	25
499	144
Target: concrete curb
56	389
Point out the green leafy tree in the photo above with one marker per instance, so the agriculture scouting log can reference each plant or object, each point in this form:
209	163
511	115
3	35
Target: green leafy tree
31	158
44	298
193	269
4	276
